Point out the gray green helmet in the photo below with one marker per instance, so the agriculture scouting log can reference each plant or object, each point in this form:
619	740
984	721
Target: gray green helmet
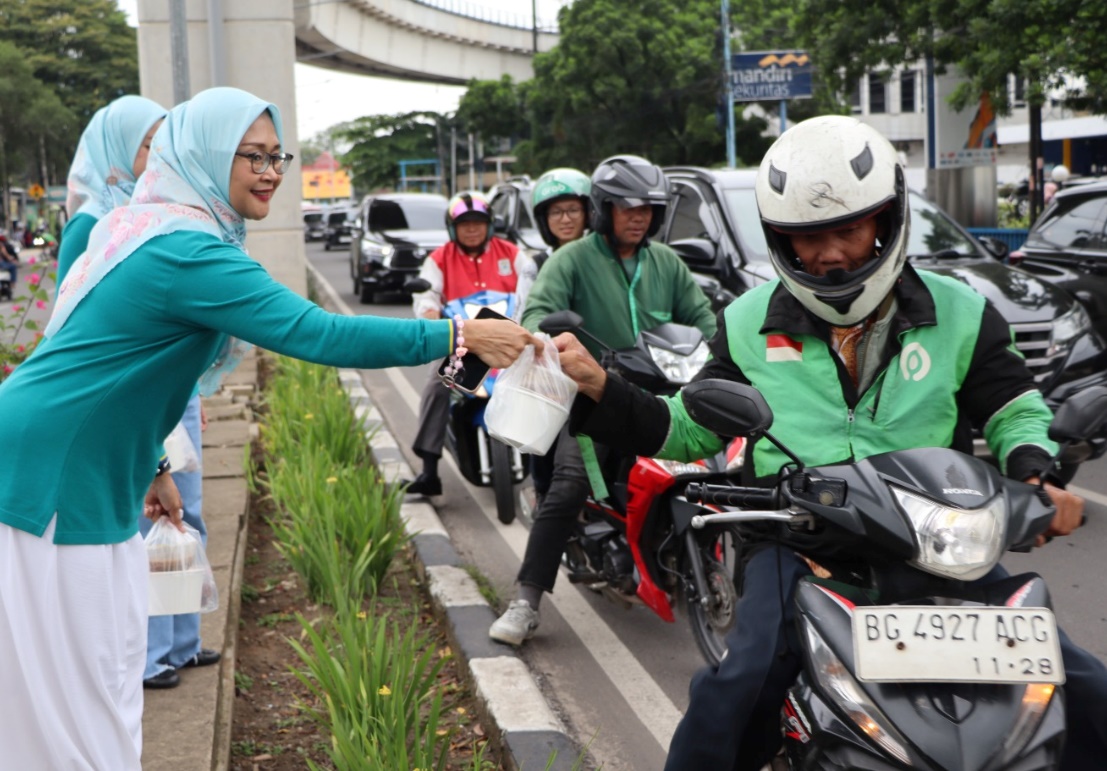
554	185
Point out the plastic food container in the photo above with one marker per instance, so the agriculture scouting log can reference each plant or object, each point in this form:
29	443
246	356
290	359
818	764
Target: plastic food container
176	591
530	422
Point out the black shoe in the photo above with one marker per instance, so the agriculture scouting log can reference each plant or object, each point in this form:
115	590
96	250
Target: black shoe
165	679
424	485
205	658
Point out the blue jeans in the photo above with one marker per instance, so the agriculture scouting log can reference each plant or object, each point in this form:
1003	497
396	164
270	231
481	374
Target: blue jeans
173	640
733	716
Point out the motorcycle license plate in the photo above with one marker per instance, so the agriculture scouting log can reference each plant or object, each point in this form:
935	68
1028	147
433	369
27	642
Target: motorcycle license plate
933	644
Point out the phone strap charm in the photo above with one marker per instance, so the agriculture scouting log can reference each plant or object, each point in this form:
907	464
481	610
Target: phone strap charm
453	371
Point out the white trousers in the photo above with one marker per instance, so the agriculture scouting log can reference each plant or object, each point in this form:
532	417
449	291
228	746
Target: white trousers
72	652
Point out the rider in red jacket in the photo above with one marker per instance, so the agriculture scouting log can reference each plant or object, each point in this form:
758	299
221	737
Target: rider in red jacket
472	261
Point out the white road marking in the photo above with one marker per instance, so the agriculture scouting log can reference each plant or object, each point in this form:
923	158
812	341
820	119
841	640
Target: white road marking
1090	495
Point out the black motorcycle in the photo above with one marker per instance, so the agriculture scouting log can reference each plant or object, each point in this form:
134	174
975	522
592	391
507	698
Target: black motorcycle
906	665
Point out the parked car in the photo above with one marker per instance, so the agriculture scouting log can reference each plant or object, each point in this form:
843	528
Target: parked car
1067	247
392	233
338	228
314	227
513	215
714	225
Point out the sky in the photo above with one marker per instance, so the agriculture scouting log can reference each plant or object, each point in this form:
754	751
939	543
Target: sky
326	97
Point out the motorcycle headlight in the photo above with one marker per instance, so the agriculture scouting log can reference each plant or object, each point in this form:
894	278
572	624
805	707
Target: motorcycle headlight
679	368
1068	327
956	543
836	682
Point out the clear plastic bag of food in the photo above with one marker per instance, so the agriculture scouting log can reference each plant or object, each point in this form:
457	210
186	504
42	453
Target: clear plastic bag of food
181	578
531	400
183	454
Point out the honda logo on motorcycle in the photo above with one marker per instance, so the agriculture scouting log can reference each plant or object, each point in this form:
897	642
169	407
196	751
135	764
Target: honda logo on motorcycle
914	362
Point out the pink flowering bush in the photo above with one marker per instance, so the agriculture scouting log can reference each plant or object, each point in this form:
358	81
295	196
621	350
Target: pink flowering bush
17	319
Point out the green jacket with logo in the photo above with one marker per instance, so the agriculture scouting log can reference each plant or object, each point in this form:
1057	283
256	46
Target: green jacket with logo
950	364
586	276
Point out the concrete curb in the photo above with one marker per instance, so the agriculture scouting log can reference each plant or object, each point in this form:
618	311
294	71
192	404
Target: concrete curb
527	728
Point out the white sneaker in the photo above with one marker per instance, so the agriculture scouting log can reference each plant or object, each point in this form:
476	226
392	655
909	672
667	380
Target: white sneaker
516	625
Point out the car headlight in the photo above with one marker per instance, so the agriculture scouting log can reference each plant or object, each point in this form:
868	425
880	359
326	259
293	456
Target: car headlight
374	251
1067	327
956	543
679	368
836	682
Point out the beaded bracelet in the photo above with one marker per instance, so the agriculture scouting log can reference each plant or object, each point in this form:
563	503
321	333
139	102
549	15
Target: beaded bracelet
454	369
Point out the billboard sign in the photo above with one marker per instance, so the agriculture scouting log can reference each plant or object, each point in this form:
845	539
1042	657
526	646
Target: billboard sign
770	75
966	138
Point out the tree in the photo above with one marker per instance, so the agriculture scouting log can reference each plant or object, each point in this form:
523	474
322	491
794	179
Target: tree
493	108
631	76
380	142
83	50
32	118
1051	45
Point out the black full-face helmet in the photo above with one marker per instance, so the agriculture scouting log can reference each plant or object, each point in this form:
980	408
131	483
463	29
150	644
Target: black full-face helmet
626	181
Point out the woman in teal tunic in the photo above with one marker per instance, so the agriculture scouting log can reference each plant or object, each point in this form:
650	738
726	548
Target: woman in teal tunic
159	294
110	157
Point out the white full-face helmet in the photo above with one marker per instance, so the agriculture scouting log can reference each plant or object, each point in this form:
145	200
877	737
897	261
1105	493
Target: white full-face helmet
825	173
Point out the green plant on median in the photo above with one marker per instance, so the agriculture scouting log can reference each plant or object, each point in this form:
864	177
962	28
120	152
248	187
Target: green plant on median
372	671
338	526
376	687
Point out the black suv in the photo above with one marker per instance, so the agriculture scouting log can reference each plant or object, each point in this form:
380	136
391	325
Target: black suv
1067	246
512	214
337	227
714	225
392	234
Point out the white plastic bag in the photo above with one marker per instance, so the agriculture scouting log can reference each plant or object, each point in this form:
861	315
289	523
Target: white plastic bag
183	455
181	579
531	400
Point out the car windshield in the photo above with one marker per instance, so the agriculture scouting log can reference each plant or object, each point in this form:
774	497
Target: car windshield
933	233
312	218
336	218
1071	223
407	215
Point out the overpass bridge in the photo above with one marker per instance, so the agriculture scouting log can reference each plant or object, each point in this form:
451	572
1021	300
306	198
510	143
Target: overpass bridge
435	41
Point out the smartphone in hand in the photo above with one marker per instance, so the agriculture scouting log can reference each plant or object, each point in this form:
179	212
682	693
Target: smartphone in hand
473	369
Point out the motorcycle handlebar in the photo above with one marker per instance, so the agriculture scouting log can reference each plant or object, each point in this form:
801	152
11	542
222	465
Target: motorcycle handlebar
725	495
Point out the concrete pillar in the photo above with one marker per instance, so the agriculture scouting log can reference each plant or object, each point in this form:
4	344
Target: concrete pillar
258	56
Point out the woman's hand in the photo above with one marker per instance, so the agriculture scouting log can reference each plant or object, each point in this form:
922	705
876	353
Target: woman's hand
577	363
163	499
498	343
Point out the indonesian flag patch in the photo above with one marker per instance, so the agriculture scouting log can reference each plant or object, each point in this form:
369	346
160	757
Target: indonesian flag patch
783	348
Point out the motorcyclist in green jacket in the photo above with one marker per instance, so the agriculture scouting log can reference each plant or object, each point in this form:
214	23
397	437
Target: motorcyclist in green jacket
620	283
560	202
857	354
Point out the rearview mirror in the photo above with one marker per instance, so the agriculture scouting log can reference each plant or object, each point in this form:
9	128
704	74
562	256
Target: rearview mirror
728	408
1081	416
416	285
698	253
561	321
995	246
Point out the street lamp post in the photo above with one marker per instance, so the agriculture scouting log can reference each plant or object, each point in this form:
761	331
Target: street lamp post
728	85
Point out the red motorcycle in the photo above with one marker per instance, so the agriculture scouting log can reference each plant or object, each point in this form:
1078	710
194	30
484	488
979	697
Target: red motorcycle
637	544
